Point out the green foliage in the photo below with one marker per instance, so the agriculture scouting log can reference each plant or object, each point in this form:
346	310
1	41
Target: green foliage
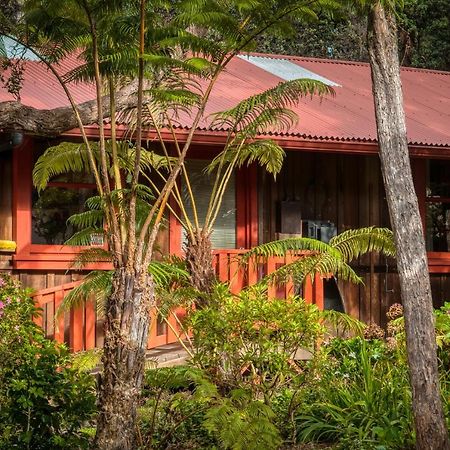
241	423
183	409
324	259
262	339
44	403
173	411
362	400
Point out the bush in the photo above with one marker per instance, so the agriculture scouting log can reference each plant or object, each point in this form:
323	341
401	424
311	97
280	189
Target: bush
362	399
183	410
250	343
44	403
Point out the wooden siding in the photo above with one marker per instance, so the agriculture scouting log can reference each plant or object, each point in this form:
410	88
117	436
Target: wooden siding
348	191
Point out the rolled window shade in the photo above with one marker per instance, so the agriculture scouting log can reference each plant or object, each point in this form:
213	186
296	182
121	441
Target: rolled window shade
224	229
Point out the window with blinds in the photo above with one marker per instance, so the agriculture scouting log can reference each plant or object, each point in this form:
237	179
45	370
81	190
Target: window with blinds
224	230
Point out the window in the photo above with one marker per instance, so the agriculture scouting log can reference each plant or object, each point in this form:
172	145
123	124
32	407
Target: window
438	206
224	233
64	196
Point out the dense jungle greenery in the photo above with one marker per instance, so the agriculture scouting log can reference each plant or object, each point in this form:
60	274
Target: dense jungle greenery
424	35
252	390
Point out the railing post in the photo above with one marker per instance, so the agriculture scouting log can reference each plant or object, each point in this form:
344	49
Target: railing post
318	292
90	324
76	330
59	322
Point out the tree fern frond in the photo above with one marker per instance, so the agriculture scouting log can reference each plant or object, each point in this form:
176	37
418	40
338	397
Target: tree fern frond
67	157
283	246
279	98
266	153
353	243
87	219
309	266
84	236
342	322
165	273
91	255
96	286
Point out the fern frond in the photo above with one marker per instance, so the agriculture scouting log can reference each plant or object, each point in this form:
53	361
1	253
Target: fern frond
96	287
266	153
342	322
309	266
91	255
67	157
84	236
279	98
353	243
283	246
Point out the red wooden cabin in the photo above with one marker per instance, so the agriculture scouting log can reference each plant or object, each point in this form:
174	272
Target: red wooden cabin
330	182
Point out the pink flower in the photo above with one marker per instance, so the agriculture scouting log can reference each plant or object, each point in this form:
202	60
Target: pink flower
2	305
2	282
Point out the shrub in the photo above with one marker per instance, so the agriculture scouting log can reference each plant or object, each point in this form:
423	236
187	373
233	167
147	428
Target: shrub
43	402
362	399
249	342
182	409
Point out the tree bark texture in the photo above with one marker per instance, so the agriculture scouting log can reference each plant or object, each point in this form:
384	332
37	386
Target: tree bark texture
126	332
199	259
431	431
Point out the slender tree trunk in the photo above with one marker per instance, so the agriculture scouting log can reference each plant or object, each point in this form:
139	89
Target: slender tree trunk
199	259
126	333
431	431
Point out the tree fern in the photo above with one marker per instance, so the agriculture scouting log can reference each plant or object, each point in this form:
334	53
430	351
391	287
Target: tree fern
324	259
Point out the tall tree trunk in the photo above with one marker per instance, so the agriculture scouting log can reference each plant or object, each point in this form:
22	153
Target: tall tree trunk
431	431
199	259
126	332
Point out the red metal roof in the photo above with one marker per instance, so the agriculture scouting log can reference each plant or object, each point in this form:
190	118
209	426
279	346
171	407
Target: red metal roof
349	116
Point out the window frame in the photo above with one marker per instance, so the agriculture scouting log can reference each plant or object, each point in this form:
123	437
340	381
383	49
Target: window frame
38	256
438	262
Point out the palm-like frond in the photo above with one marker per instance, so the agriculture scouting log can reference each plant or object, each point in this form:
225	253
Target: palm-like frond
95	287
342	323
279	98
325	259
283	246
309	266
66	157
353	243
91	255
84	236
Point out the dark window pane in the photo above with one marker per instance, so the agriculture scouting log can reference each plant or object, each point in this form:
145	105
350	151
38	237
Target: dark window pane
438	227
51	209
438	179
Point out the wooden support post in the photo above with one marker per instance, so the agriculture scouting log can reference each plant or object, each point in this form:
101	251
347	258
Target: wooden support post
76	330
308	290
223	267
318	293
59	322
90	324
271	267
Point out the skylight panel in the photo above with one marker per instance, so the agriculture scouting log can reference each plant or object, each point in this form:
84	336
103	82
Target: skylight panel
13	50
285	69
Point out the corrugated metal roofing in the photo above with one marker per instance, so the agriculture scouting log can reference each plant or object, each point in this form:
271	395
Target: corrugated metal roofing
349	116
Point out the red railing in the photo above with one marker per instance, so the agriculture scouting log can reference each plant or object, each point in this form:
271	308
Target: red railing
82	328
